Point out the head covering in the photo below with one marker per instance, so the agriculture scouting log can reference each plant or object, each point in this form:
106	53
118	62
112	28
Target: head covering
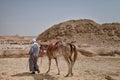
33	40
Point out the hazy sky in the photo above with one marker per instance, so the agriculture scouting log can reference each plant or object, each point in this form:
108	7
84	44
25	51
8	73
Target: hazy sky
31	17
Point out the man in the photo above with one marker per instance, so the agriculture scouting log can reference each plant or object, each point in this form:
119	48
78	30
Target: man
34	55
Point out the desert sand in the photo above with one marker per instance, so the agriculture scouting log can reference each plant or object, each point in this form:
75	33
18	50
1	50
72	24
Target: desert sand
86	68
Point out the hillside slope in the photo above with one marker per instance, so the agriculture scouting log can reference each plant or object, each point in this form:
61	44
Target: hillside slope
84	31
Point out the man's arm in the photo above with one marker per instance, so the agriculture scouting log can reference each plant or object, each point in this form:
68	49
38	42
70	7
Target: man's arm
31	51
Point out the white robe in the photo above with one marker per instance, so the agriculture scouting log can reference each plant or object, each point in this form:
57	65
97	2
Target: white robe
34	54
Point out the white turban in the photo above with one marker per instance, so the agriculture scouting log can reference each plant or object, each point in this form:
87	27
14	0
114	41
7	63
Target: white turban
33	40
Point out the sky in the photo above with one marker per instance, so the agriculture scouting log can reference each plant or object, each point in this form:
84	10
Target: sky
32	17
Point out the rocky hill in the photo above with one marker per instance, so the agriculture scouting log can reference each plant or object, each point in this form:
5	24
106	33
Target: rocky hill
84	31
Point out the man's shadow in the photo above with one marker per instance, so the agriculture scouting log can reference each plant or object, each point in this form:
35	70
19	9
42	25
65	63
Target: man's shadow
42	76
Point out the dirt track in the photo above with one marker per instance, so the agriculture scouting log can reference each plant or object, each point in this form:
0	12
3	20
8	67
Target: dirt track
86	68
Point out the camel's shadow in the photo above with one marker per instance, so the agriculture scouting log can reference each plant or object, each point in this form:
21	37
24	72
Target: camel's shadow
42	76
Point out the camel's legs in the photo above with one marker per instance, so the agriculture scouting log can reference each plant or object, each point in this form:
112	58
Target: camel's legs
57	66
49	65
69	66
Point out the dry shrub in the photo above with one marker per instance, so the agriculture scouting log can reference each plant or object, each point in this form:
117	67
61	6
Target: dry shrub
87	53
100	51
117	51
13	53
108	51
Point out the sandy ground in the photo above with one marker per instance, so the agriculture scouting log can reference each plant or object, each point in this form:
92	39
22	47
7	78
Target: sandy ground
86	68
